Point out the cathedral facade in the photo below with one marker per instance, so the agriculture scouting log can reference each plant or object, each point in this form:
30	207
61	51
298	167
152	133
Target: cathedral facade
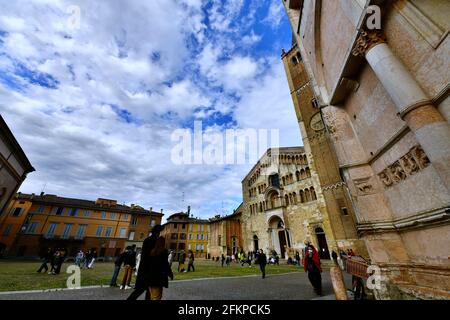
284	206
379	74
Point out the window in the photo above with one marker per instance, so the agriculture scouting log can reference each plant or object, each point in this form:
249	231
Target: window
81	231
51	230
131	235
32	227
59	211
73	212
134	220
202	247
175	226
190	236
108	232
344	211
198	237
112	215
219	242
66	231
174	236
152	223
103	215
183	236
123	232
87	213
7	230
201	237
41	209
99	231
315	103
16	212
183	226
189	247
125	216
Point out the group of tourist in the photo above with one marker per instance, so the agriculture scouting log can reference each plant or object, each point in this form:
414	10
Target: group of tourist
57	257
154	270
86	259
53	257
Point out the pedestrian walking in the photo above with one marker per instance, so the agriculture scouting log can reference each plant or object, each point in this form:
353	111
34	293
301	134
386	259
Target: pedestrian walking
262	261
160	270
59	261
117	266
181	260
223	259
143	278
79	258
129	262
46	258
191	261
311	264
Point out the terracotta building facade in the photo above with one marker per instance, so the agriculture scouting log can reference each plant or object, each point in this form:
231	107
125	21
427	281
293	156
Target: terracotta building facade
34	223
383	92
225	234
184	232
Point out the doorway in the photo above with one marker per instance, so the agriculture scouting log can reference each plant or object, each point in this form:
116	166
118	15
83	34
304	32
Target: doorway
282	238
255	243
322	242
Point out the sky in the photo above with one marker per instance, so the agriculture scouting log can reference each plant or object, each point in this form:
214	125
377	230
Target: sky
94	91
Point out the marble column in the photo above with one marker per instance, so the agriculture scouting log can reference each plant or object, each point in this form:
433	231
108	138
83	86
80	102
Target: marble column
432	131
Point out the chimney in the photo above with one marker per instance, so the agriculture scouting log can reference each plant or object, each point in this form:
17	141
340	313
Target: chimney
42	193
189	210
161	210
151	209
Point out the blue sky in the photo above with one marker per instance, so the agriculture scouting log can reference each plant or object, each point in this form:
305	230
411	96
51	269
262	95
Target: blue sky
94	101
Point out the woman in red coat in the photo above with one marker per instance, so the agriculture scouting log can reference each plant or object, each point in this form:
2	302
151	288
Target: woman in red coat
311	264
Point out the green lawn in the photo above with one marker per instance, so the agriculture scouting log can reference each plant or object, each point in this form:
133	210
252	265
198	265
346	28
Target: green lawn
22	275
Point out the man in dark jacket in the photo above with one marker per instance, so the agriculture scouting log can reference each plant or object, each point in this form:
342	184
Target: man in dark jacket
143	276
262	261
46	259
117	265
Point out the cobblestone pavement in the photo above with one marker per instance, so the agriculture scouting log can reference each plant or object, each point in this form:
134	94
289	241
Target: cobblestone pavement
292	286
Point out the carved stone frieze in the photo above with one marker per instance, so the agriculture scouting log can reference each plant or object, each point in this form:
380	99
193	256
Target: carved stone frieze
409	164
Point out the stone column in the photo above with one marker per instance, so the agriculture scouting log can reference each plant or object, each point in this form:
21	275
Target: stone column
432	131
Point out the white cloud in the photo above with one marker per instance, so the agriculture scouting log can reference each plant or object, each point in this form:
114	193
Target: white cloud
275	14
126	79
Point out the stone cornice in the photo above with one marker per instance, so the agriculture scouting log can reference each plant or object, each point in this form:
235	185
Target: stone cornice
420	220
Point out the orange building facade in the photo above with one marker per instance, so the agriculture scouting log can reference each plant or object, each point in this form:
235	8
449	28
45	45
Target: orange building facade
34	223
